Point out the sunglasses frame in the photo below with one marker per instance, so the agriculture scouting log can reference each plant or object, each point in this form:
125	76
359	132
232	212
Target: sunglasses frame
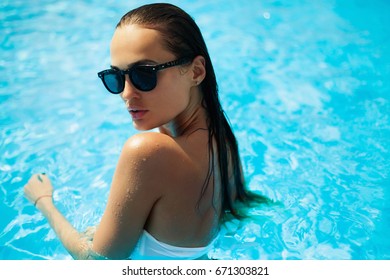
149	68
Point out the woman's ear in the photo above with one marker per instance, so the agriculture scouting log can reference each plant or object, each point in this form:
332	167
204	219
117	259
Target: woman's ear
198	69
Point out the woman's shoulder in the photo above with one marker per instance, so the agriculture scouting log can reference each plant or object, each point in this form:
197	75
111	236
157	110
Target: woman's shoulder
154	148
156	159
150	143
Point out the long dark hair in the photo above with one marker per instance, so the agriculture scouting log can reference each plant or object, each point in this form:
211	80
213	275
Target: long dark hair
183	38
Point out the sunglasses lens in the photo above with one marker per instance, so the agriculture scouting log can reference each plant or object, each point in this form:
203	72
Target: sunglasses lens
143	78
113	82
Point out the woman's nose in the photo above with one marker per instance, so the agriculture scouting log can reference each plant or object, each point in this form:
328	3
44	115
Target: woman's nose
129	90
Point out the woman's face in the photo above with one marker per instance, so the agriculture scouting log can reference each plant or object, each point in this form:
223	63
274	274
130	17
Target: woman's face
133	44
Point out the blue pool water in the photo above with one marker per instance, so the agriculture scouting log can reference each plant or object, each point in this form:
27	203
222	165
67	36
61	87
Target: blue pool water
304	83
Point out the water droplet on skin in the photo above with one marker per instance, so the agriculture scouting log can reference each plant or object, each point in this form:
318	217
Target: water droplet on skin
128	194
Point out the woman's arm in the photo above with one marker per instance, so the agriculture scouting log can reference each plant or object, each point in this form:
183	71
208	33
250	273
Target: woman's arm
39	191
77	244
139	180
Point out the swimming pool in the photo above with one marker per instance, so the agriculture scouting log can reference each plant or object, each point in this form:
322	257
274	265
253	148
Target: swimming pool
304	83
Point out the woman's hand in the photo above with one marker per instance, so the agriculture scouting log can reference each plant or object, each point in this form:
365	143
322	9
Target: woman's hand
39	186
89	233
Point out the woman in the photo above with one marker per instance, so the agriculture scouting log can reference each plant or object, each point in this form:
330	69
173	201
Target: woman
171	189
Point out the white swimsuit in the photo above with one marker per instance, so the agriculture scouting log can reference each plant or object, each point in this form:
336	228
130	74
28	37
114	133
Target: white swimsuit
149	248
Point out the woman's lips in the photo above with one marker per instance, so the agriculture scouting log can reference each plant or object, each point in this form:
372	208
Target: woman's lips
137	114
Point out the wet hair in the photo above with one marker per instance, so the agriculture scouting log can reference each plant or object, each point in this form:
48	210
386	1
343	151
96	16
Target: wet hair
183	38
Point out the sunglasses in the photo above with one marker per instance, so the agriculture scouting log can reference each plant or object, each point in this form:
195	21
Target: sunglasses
143	77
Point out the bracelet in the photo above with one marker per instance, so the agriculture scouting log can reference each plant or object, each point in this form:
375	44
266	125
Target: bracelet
45	195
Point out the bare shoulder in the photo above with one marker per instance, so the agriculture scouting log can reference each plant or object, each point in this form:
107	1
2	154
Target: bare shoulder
155	152
150	141
151	144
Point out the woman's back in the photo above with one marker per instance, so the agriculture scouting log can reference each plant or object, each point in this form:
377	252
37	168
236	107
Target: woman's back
184	215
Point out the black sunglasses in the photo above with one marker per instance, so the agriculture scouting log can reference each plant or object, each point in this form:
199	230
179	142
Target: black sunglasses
143	77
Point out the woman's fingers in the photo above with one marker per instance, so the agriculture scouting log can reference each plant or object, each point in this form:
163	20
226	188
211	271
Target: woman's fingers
39	178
